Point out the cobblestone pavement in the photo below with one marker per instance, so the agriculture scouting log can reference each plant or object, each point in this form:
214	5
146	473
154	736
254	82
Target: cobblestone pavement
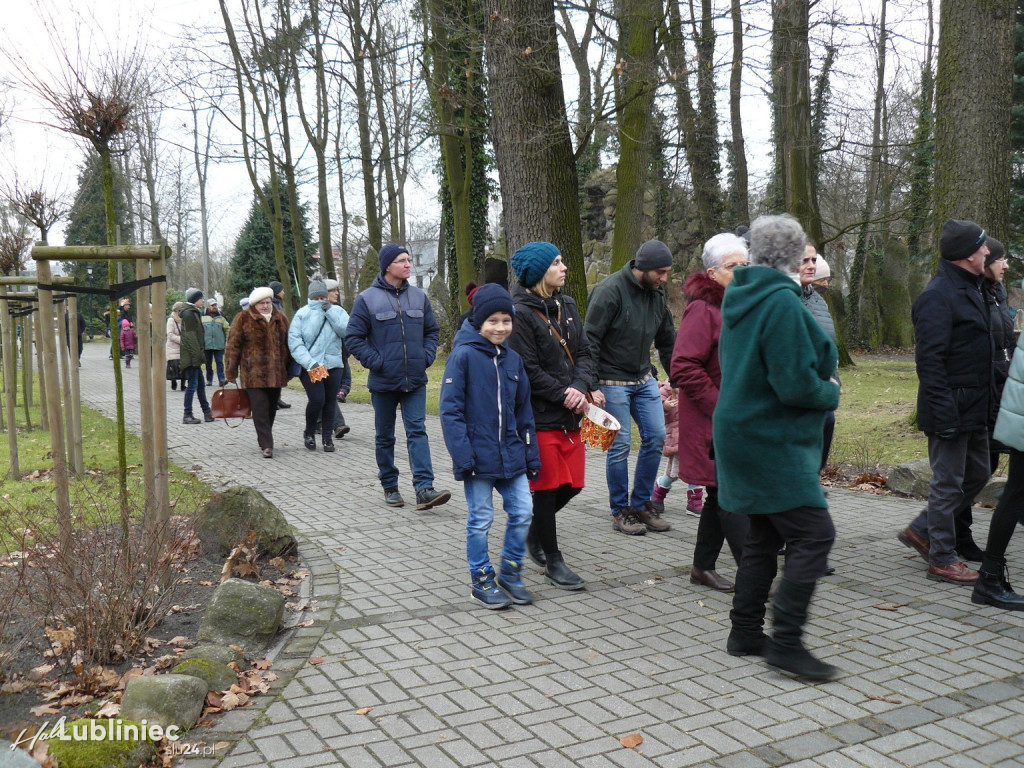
930	679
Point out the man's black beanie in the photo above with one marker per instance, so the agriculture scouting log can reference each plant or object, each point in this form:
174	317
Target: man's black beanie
959	239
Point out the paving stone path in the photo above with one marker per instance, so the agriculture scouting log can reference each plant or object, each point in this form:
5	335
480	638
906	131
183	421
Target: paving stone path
930	679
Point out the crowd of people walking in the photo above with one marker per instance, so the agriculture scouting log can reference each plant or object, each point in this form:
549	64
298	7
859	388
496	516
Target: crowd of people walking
748	400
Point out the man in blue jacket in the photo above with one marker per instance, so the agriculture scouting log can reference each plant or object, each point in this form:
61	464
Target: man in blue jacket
393	333
954	372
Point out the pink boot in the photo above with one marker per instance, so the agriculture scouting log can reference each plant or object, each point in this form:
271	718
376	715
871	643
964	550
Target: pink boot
658	497
695	501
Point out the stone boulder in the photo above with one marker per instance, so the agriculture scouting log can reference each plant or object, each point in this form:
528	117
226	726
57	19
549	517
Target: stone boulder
228	517
14	758
95	744
913	479
244	614
164	699
211	652
217	675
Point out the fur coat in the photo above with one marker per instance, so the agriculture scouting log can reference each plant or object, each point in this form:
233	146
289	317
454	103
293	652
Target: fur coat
259	348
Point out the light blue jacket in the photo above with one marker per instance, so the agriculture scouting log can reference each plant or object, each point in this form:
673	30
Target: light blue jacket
1010	423
307	349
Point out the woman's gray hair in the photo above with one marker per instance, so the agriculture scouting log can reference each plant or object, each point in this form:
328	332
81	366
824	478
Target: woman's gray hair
777	242
720	246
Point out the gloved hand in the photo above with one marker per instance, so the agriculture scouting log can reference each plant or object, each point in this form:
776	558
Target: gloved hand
948	434
325	305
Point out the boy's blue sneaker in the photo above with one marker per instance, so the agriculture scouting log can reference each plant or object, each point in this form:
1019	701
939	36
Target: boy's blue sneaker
512	585
487	593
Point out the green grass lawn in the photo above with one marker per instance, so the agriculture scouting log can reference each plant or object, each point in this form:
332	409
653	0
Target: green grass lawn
96	489
872	424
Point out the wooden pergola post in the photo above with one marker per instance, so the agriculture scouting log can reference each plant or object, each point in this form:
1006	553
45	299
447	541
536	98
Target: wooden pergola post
10	380
158	265
145	366
77	457
65	382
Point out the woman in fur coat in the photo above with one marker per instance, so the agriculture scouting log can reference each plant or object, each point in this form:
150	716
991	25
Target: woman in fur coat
258	346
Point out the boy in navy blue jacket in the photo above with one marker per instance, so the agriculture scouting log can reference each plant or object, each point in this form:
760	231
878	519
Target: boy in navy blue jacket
488	427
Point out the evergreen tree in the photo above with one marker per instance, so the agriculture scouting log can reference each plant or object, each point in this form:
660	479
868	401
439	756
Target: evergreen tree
87	223
253	263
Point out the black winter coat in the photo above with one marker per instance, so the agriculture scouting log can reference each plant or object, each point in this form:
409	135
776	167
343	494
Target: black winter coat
547	365
1003	342
954	359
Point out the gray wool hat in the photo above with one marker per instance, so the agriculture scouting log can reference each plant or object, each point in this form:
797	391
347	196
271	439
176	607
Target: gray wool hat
317	288
192	295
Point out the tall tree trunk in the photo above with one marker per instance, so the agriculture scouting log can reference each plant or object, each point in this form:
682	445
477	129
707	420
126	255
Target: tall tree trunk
373	225
637	82
739	152
202	163
377	82
345	278
858	307
920	196
791	84
973	96
531	133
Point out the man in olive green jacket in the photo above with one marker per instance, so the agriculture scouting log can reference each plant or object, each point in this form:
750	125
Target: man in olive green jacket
193	355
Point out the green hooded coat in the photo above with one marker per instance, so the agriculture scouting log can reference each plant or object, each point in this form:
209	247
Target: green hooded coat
776	368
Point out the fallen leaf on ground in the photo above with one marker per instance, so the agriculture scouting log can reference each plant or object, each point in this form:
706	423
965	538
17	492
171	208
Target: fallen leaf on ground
45	709
631	741
109	709
886	699
893	607
317	660
38	673
261	664
364	711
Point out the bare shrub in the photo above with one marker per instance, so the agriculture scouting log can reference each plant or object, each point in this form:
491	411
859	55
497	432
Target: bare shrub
98	603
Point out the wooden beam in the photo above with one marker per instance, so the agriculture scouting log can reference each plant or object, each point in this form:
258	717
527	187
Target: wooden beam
95	252
33	279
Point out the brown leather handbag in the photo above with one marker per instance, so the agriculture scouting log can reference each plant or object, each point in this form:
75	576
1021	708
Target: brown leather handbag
230	404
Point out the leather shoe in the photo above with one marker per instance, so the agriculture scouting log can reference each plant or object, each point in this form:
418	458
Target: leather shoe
309	441
710	579
393	498
328	445
281	405
954	573
910	539
341	431
268	453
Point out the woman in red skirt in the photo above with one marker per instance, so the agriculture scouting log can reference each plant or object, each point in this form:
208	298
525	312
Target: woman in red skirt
548	334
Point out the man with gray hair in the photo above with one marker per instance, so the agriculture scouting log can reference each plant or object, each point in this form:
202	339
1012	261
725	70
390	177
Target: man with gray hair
777	385
627	312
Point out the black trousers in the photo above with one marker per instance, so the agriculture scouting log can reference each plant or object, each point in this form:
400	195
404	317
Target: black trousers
1010	509
322	401
263	402
716	527
808	534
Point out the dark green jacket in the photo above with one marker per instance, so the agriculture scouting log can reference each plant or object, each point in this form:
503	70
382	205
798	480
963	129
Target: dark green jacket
623	319
193	345
776	368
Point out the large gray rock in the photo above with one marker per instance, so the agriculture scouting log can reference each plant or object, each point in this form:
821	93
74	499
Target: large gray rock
229	516
243	614
914	477
211	652
14	758
100	747
217	675
164	699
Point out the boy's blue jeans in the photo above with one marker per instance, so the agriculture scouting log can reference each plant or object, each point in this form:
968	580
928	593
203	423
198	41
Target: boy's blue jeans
414	417
643	403
518	505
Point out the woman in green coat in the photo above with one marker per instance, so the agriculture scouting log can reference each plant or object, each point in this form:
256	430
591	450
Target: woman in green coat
777	386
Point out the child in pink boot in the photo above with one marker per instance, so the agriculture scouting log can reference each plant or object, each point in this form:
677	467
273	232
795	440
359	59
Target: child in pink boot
695	493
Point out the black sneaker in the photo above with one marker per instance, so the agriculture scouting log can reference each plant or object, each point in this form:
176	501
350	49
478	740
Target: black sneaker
208	417
190	419
428	497
393	498
328	445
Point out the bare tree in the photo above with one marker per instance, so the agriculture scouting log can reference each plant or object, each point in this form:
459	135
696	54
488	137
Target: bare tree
37	207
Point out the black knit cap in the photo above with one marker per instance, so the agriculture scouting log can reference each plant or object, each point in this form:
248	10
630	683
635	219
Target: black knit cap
960	239
487	300
996	251
653	254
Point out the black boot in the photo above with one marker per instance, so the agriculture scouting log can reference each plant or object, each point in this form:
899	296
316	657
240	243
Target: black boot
309	441
747	637
533	547
784	650
993	587
557	573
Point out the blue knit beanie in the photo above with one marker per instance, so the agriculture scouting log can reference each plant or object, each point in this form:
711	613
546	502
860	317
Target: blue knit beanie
531	262
389	253
490	298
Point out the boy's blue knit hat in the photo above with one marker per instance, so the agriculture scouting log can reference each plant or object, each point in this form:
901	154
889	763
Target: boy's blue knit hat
490	298
531	262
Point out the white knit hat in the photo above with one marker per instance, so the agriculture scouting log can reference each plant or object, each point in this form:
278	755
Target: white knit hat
821	270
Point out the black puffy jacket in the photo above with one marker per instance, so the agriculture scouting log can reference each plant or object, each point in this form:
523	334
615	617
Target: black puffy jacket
954	357
547	365
1003	342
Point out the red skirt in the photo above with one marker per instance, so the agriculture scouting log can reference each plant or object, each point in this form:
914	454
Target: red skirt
562	460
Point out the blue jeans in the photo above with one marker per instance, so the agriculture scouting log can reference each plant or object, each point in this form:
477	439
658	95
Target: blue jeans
195	383
214	355
414	413
643	403
518	503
